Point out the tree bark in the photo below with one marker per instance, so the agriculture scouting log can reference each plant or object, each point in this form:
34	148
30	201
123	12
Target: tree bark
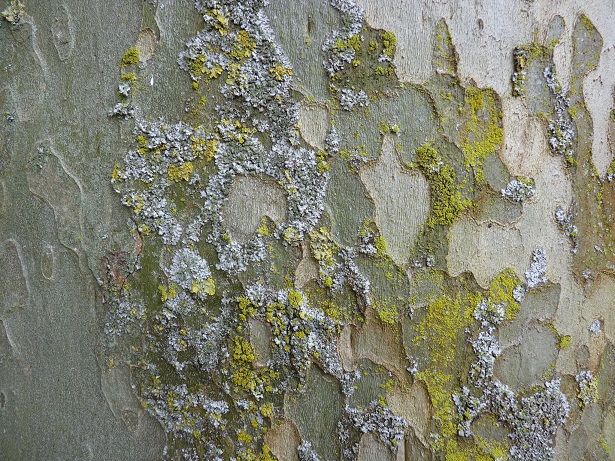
306	230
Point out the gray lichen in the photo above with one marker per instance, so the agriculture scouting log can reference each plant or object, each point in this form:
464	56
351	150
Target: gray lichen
532	420
565	222
587	387
519	190
560	128
535	275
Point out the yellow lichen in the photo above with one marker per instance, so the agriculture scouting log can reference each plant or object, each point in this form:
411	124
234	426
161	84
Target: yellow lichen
322	164
222	21
388	312
15	12
353	42
447	202
245	377
279	72
115	174
244	47
482	134
501	292
206	286
129	77
203	147
181	172
131	57
381	246
322	246
167	293
295	298
446	319
389	41
263	229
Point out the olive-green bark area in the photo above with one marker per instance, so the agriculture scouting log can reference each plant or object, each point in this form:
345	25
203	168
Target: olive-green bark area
449	132
309	324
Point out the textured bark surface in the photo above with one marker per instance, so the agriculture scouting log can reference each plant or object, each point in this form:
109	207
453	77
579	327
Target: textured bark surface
378	233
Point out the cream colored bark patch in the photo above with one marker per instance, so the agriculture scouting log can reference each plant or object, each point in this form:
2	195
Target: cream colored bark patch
146	44
478	29
283	440
314	125
598	319
251	199
485	249
372	449
402	199
524	138
413	405
380	344
345	349
307	269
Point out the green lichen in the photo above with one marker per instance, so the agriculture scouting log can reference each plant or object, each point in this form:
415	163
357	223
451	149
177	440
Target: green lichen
563	341
447	201
130	58
388	311
206	286
353	42
323	249
244	47
129	77
440	332
264	229
180	172
15	12
482	134
501	291
605	446
481	451
389	42
295	298
322	159
445	56
246	378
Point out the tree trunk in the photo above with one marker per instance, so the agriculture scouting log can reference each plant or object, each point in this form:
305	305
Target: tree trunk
314	230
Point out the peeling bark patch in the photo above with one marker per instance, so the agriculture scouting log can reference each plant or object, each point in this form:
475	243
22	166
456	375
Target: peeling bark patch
314	125
466	235
59	188
283	439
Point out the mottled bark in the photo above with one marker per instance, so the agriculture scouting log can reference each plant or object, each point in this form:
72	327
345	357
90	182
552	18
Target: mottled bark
307	230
